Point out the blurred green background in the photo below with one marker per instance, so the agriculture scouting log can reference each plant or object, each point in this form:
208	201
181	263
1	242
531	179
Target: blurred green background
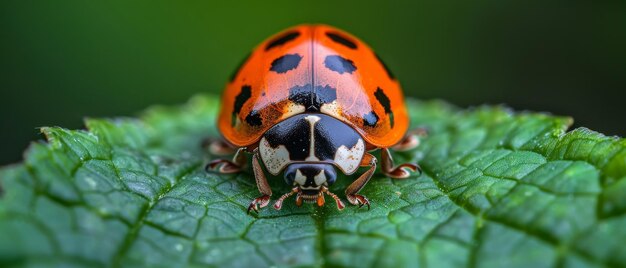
63	60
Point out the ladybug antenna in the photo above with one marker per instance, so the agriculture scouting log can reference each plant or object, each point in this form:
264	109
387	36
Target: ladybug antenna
279	203
340	204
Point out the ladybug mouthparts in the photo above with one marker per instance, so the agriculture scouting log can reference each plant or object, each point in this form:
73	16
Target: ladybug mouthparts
311	181
309	196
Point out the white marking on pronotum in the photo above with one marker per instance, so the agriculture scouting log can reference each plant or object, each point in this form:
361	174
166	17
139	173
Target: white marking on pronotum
275	159
349	159
331	109
320	178
312	120
292	109
299	179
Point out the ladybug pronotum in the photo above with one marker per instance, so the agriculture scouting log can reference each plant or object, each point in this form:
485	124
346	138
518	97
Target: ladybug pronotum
308	103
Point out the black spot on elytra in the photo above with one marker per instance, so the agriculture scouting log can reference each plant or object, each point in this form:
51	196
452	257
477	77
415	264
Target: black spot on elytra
236	72
301	95
244	95
312	98
325	94
384	101
339	64
285	63
339	38
370	119
254	118
281	40
389	73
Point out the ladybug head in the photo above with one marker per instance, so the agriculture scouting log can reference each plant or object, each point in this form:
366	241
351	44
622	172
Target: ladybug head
310	178
311	182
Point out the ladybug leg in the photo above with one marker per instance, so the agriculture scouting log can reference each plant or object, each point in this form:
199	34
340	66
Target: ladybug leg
340	204
279	203
220	147
261	183
411	140
358	184
227	166
399	172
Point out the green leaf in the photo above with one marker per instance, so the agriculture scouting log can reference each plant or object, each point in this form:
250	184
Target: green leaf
500	189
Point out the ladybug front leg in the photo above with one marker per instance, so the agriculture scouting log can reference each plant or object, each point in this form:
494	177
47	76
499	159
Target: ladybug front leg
399	172
227	166
261	183
356	186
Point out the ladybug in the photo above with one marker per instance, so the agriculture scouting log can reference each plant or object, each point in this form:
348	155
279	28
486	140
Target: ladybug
309	102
